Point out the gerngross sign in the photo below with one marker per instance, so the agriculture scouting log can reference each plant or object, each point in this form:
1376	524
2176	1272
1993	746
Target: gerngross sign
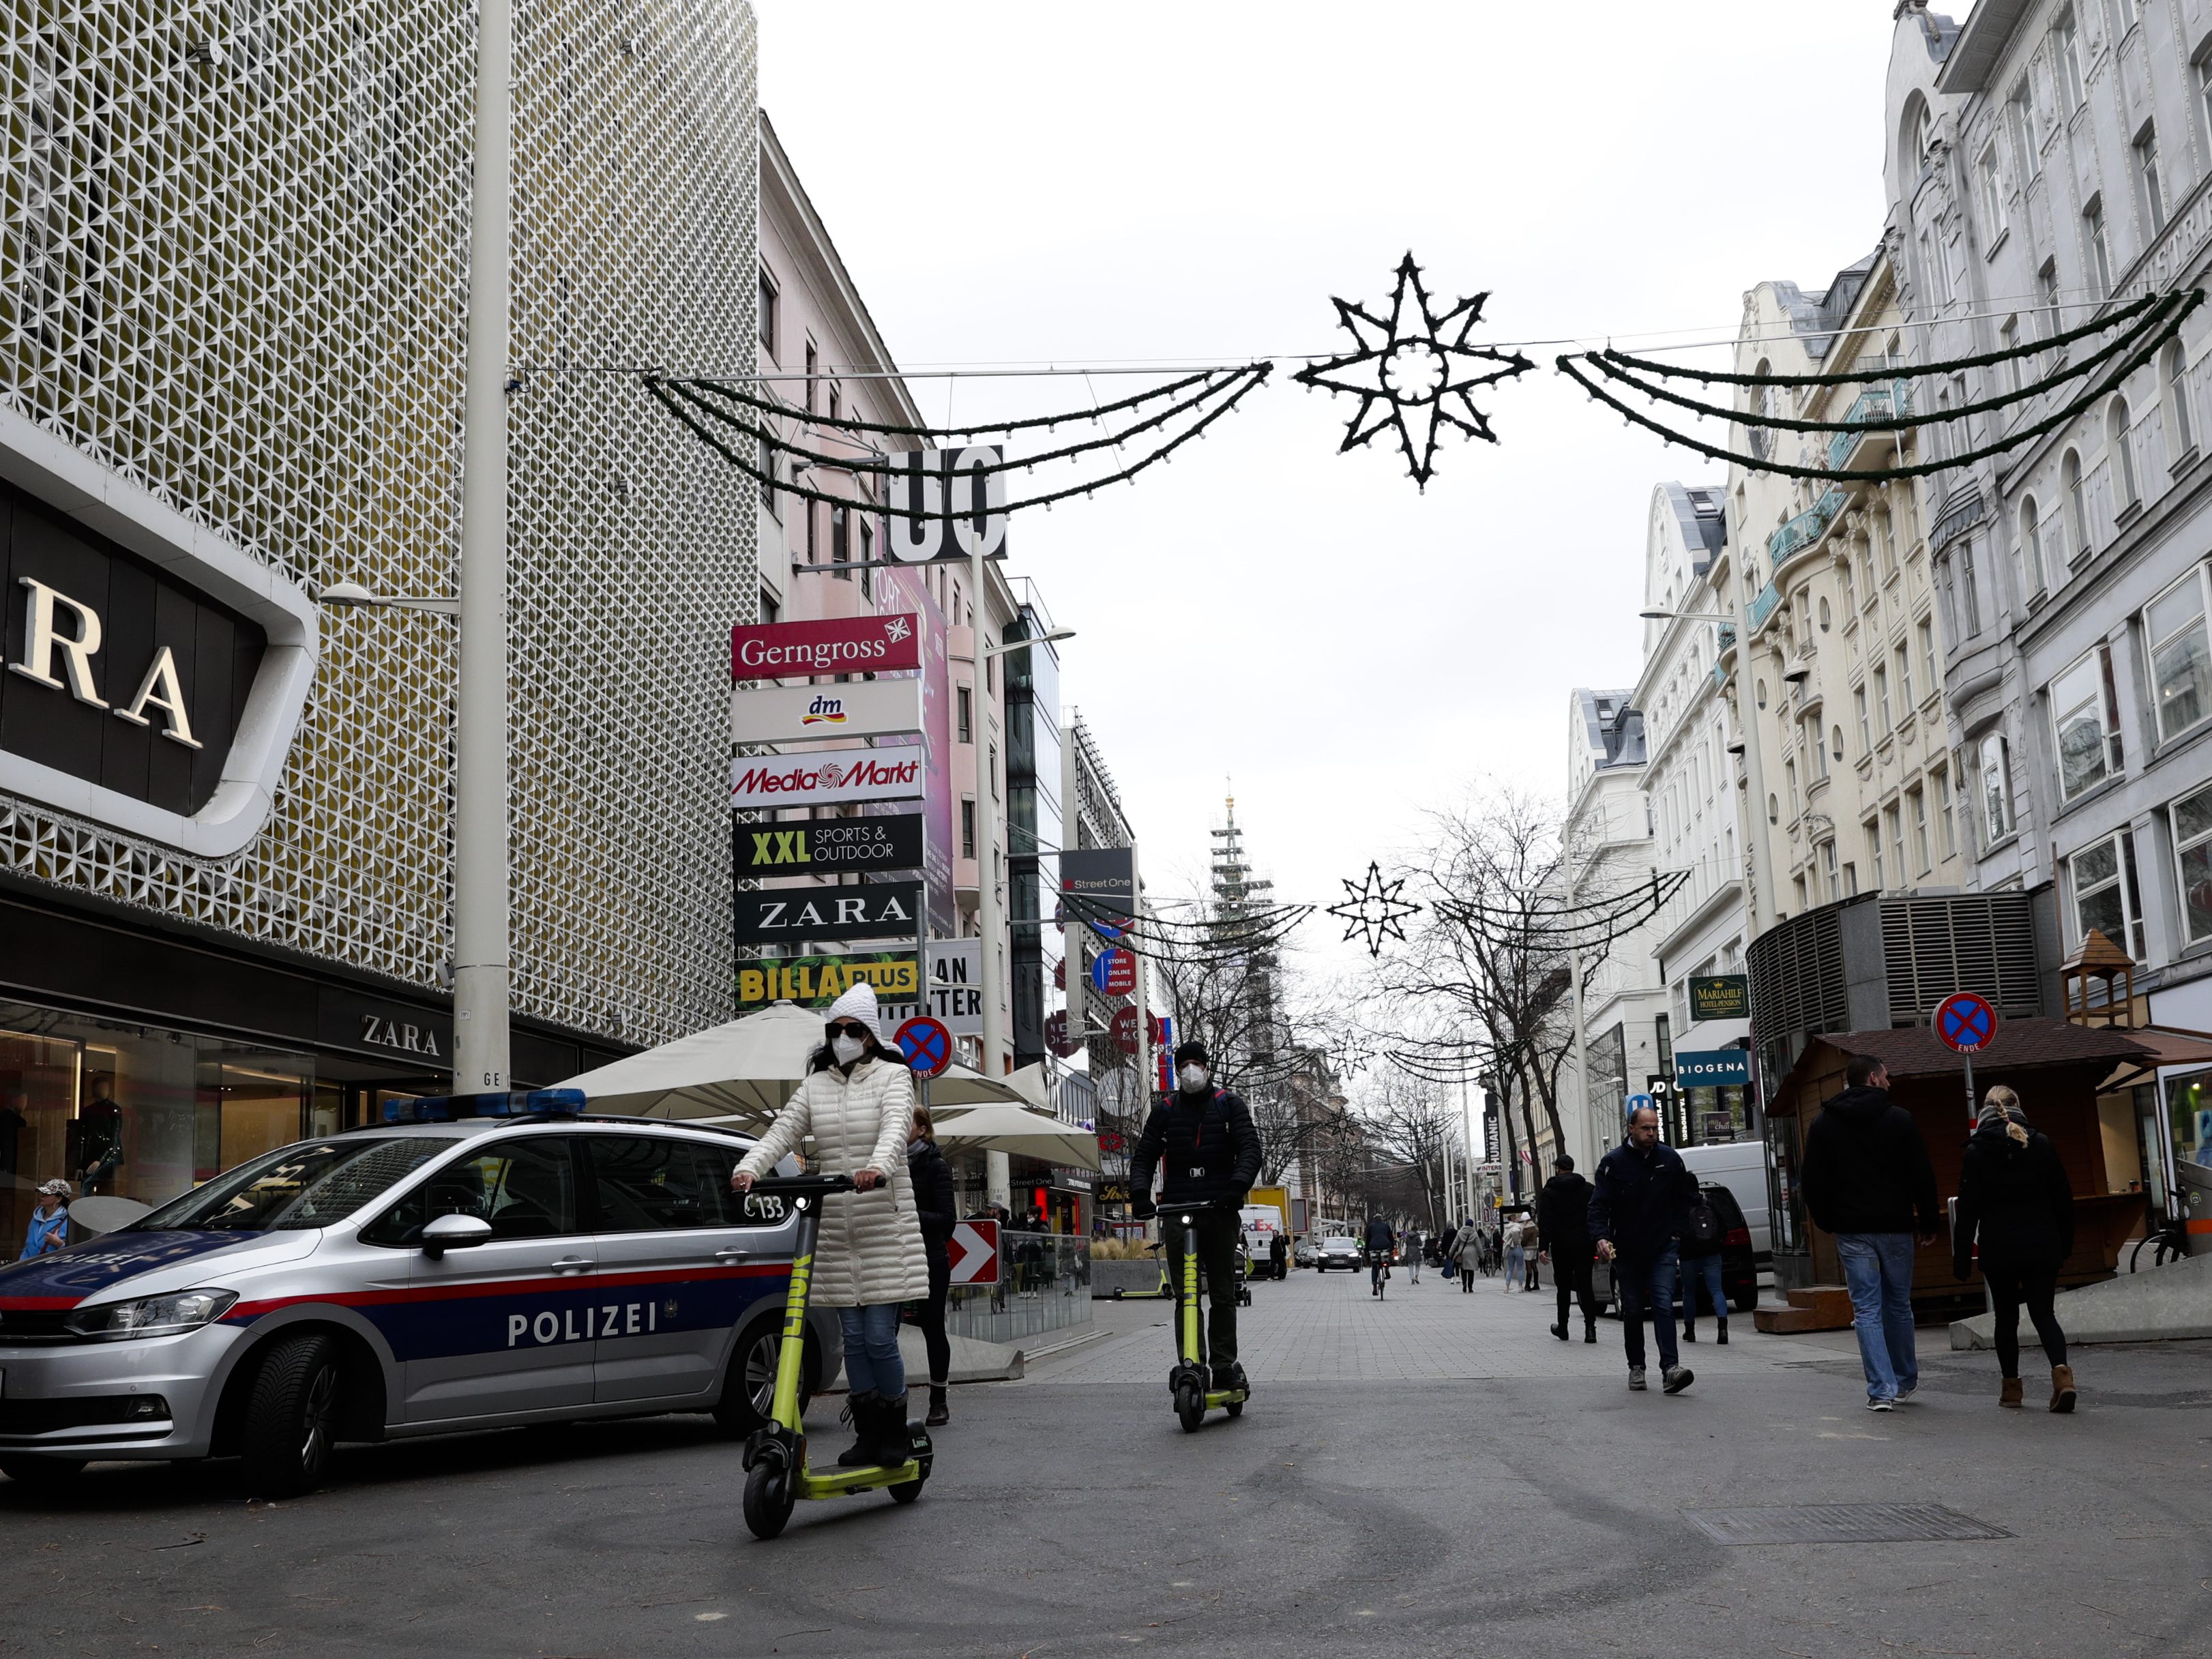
840	775
849	644
796	714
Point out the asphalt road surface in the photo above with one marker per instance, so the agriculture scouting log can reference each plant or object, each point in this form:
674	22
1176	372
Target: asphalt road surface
1431	1475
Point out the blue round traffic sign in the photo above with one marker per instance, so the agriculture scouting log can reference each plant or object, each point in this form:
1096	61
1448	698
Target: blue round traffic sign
1965	1023
925	1044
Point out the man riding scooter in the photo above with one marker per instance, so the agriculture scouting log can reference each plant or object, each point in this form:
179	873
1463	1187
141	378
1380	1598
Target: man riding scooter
1200	1139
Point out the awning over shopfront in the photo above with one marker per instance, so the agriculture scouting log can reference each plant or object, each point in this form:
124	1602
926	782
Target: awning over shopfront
1019	1131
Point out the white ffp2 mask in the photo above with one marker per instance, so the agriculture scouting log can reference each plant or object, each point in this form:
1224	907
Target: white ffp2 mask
848	1048
1195	1077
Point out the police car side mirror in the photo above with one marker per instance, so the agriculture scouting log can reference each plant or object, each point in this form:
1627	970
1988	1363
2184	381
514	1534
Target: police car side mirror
455	1232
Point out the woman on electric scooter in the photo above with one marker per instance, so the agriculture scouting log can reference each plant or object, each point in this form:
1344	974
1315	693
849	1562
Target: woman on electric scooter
857	1105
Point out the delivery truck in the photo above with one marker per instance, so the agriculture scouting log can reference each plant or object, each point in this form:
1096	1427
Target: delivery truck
1264	1216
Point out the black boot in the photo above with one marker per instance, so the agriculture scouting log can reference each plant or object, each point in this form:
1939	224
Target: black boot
1689	1331
860	1412
939	1415
1589	1327
1720	1336
890	1447
1559	1330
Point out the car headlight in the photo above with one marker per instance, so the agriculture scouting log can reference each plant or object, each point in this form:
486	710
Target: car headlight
152	1315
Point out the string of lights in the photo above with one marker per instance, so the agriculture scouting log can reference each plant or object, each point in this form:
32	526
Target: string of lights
723	388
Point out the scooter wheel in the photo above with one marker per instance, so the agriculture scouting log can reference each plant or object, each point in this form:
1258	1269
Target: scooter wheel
1235	1408
769	1498
906	1491
1190	1408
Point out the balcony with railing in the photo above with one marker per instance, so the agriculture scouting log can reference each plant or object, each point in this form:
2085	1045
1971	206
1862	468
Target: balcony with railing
1871	444
1801	532
1763	607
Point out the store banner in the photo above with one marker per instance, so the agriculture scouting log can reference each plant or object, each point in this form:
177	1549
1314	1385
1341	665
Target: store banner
1711	1068
944	504
801	714
793	915
1723	996
832	846
842	774
955	997
845	645
1100	876
817	981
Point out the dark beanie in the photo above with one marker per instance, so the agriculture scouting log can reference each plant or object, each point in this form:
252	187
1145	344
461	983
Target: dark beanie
1192	1050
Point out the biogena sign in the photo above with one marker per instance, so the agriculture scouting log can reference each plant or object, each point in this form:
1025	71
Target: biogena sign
155	674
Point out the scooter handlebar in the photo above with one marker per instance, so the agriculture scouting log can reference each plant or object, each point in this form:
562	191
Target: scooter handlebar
805	1186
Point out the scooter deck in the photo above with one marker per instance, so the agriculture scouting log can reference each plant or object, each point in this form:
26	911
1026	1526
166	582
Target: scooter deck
1227	1397
865	1478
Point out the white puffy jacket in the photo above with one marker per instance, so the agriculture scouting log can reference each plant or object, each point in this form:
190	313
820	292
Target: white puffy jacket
870	1250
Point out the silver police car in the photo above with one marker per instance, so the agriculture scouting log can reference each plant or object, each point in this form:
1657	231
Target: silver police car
442	1272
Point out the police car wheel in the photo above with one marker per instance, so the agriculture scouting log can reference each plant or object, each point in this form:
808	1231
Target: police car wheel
42	1473
749	1386
292	1417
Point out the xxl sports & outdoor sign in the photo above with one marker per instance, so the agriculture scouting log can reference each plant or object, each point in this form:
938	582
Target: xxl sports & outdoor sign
817	981
842	774
893	841
848	645
859	708
787	916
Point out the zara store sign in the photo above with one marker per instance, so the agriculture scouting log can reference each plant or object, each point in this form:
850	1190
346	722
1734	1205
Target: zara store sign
155	674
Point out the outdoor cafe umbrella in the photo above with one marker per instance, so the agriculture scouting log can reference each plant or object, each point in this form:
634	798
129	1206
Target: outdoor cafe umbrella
1018	1129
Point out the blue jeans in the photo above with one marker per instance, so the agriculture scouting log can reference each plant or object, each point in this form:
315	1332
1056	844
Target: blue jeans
1703	1270
1647	1282
1516	1267
1877	1267
871	1350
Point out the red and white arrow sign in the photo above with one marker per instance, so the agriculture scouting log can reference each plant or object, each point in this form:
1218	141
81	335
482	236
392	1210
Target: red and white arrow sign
972	1250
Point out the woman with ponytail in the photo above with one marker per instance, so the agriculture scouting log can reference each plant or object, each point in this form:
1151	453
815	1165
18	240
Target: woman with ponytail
2013	1192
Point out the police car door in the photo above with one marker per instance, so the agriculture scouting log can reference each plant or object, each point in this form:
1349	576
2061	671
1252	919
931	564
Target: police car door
507	1325
680	1263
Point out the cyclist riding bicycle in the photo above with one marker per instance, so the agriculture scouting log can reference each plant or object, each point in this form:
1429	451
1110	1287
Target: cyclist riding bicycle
1380	1241
1200	1139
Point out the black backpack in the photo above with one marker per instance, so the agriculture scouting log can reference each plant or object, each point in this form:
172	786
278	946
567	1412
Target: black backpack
1705	1227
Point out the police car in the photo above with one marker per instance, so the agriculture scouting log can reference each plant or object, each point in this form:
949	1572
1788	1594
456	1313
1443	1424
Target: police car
477	1261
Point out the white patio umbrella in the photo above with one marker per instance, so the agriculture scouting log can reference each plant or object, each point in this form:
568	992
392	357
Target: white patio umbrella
1018	1129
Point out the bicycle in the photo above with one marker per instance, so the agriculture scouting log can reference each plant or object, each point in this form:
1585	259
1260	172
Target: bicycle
2168	1243
1378	1268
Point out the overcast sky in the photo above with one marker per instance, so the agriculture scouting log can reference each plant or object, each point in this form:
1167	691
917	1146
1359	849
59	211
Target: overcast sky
1024	182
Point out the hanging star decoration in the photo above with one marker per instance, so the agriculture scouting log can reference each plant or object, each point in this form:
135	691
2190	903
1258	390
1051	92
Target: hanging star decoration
1417	368
1374	909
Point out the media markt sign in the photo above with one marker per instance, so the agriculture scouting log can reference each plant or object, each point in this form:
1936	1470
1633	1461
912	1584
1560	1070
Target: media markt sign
154	673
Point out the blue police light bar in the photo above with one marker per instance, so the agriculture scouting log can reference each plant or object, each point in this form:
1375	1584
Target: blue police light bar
498	1103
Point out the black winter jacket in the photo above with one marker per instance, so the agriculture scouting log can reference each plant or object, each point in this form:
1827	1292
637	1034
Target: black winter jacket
2018	1198
1563	1215
1867	1170
934	1203
1204	1145
1378	1237
1641	1199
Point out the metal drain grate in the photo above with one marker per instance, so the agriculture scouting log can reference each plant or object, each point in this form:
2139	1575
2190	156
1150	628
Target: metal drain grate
1843	1523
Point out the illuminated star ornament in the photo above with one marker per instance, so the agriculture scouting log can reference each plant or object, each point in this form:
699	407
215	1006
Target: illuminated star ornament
1374	909
1418	367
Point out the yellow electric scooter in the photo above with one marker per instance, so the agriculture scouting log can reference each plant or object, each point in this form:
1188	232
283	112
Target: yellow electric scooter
1194	1396
776	1475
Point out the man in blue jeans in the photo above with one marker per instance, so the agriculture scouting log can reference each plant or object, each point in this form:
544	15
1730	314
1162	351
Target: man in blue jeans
1867	1179
1637	1210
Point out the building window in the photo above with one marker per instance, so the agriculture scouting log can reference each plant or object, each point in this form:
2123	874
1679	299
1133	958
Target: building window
2066	37
1904	679
1993	219
770	609
2030	548
1789	776
1773	809
840	542
2180	663
1873	828
1969	591
867	559
2147	181
1894	818
1851	879
1817	750
964	704
1925	629
2100	255
2124	18
1798	886
1823	613
1866	731
1836	743
2192	852
813	373
968	827
1828	862
2046	284
2027	145
1996	788
2077	508
1884	538
1917	800
2204	90
2086	723
1946	835
2179	424
2118	439
994	771
2103	876
767	313
2015	373
1882	699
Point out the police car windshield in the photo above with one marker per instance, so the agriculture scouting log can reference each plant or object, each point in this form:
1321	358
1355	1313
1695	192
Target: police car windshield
316	1183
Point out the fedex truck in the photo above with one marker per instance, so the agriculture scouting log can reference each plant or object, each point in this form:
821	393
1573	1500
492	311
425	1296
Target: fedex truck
1264	1216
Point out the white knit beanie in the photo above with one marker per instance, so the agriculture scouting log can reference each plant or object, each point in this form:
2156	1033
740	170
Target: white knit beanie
859	1003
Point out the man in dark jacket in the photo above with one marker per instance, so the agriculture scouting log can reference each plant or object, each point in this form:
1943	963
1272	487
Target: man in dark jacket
1636	1216
1201	1140
1867	1179
1563	1235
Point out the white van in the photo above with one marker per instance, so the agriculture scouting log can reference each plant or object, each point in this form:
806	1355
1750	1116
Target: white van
1740	1166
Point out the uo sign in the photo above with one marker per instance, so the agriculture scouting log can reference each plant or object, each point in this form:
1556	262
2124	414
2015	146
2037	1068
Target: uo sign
942	504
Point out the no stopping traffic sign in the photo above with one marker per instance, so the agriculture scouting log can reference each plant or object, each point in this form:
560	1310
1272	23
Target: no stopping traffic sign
925	1044
1964	1023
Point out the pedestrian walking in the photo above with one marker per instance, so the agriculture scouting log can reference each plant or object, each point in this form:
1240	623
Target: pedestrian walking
1701	1266
935	1207
1514	1253
1445	1248
1413	1258
1278	1254
49	1228
1636	1215
1867	1180
2013	1193
857	1105
1532	1250
1563	1234
1469	1247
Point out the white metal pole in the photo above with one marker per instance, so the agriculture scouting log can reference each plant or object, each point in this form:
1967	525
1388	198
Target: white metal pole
480	849
989	923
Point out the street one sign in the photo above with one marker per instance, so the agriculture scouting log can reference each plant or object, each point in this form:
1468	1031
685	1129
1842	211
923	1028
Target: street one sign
1100	876
925	481
1114	973
893	841
1712	1068
787	916
848	645
973	1252
842	774
817	981
926	1045
1964	1023
1721	996
796	714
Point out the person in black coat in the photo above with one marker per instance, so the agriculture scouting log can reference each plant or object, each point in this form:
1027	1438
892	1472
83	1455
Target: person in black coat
1637	1207
2013	1193
936	1209
1563	1235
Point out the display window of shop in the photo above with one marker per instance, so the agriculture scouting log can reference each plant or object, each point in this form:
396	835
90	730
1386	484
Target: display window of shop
138	1111
2189	1123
